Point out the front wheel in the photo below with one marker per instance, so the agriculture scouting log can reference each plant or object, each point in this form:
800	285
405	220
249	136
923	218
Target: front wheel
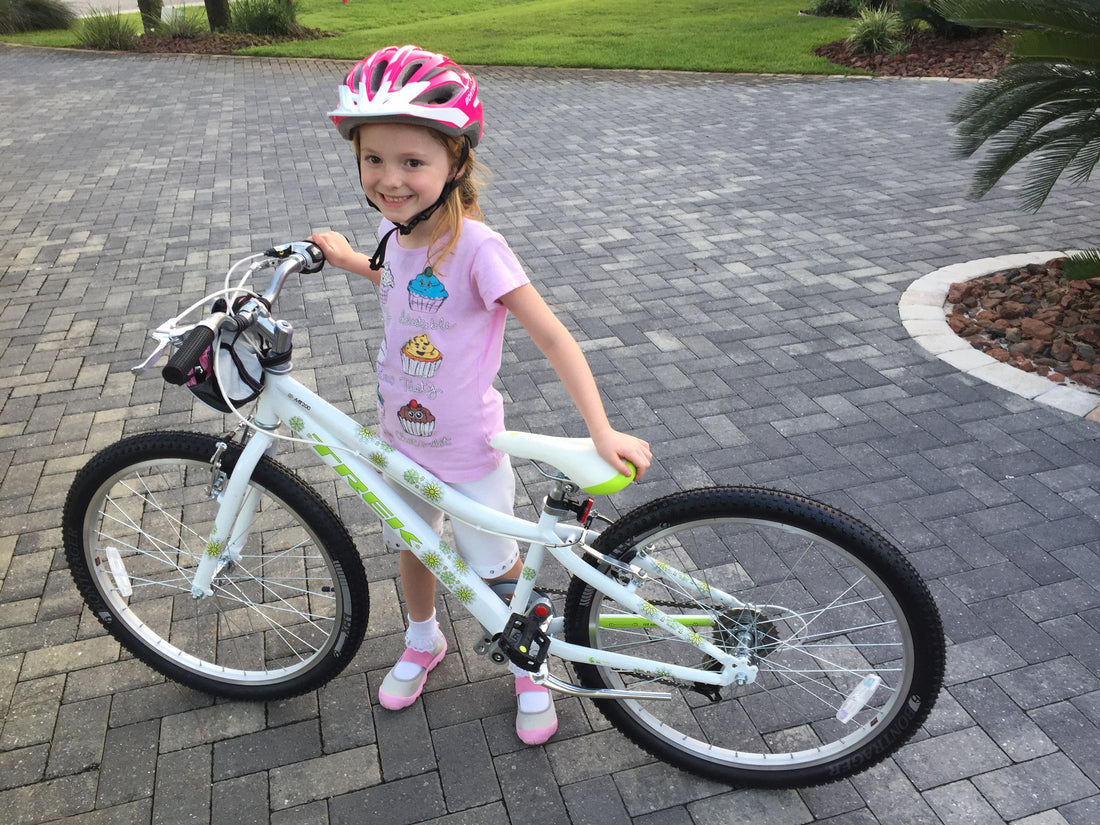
821	605
285	617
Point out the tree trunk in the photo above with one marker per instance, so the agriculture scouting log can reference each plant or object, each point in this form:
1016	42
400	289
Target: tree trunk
150	14
217	12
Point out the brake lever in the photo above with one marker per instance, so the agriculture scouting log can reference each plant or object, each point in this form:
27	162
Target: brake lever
164	339
152	359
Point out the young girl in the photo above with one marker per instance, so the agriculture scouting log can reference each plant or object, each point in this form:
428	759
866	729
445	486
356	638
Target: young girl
446	284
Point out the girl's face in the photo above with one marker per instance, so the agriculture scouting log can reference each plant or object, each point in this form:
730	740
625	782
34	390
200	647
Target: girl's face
403	170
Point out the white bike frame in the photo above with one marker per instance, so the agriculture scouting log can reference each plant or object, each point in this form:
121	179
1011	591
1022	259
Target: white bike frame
369	466
373	468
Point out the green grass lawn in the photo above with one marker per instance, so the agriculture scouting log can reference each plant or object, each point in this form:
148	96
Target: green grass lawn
760	36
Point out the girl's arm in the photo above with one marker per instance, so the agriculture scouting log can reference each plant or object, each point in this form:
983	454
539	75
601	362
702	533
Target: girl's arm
568	361
338	252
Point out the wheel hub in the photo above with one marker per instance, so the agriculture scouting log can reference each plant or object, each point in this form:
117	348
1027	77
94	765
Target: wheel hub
746	631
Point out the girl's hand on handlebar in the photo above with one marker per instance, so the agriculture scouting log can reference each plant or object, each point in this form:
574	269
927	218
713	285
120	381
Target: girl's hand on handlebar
616	448
338	252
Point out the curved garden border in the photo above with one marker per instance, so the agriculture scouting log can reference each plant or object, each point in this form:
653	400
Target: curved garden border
923	313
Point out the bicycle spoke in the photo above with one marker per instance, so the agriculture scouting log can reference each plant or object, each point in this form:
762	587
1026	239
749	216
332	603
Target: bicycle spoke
276	604
806	612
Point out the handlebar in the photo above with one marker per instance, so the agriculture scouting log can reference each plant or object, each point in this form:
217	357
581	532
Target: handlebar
301	256
190	351
297	257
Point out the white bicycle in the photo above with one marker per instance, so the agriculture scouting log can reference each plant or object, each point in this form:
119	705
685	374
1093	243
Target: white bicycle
746	635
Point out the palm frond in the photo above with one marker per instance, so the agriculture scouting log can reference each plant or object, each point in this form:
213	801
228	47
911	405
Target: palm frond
1053	152
1034	108
1061	46
1031	92
1026	83
1080	170
1081	266
1005	152
1054	149
1020	136
1065	15
1044	106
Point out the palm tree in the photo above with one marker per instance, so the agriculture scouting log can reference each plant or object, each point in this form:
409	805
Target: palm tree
1045	104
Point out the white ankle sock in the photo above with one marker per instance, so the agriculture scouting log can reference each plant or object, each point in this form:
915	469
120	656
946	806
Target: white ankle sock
423	636
532	701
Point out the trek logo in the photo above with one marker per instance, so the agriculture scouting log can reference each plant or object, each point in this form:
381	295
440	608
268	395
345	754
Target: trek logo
370	498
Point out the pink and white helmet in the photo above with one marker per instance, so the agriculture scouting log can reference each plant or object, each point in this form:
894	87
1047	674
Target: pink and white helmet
406	84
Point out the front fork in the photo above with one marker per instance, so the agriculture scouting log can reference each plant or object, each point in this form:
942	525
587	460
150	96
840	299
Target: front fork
239	501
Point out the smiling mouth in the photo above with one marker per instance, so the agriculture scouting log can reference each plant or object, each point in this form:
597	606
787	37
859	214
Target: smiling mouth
396	201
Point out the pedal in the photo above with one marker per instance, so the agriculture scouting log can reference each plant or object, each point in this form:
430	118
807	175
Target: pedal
524	642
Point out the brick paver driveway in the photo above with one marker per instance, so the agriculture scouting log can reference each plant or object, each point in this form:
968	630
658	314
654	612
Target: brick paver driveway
734	270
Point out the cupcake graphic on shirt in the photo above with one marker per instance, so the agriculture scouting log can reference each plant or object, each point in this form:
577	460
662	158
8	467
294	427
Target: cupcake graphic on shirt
385	283
419	357
426	292
416	419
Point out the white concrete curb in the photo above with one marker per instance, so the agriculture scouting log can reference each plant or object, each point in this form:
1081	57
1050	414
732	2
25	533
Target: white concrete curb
922	310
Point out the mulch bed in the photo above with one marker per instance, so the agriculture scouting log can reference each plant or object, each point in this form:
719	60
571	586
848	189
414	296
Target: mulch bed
218	43
929	55
1033	319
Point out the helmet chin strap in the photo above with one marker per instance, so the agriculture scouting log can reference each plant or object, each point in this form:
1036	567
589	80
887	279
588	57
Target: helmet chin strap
379	256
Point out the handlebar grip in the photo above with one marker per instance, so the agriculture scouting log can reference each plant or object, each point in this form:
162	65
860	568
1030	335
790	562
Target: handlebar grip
313	259
316	257
184	359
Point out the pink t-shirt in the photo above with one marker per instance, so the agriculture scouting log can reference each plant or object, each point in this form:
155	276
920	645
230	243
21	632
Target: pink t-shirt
443	335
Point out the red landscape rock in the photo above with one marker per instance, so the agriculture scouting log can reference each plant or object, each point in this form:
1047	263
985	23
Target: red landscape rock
1051	326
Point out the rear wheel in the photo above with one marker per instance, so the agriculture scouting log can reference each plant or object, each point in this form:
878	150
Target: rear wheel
283	619
825	605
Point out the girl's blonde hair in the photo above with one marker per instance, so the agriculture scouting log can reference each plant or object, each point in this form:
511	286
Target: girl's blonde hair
461	204
463	200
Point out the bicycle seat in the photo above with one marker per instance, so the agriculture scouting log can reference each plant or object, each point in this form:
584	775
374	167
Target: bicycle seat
575	457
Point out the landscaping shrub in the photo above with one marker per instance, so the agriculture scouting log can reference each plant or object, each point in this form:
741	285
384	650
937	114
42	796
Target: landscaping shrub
877	31
265	17
922	11
848	8
835	8
184	23
108	30
34	15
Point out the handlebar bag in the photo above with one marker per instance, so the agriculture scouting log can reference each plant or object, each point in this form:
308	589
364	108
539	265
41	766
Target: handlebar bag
239	376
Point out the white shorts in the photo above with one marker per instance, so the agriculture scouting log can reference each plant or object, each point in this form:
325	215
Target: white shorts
489	556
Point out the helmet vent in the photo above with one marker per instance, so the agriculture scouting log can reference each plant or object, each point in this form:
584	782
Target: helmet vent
408	73
442	95
376	75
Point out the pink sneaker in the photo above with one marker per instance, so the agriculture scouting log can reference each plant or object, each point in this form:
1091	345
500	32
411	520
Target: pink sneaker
536	721
396	693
